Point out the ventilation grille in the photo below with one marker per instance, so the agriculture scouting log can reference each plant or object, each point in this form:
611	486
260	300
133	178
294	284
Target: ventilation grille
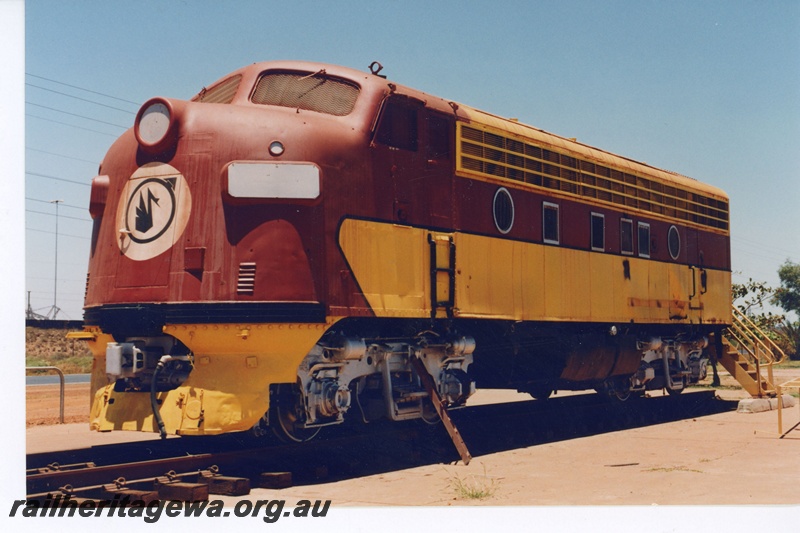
302	90
247	278
222	93
490	154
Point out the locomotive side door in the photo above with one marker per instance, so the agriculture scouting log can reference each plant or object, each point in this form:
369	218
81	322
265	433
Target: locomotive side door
697	271
435	185
412	163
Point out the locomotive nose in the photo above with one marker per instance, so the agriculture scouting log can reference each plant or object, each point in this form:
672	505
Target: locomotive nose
157	124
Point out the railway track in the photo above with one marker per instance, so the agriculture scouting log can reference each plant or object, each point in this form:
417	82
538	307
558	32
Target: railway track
193	468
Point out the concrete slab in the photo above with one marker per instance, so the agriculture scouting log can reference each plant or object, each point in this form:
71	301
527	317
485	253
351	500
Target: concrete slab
760	405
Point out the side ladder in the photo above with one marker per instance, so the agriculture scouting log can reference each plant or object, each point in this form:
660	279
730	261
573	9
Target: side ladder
443	274
745	351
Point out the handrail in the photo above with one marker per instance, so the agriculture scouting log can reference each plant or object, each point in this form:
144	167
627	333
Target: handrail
60	378
768	344
755	346
793	384
747	329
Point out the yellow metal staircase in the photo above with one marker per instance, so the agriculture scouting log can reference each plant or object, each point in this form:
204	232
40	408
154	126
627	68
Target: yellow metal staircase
745	351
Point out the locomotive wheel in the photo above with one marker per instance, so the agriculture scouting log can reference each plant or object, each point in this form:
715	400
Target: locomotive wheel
429	414
623	395
617	389
540	393
675	392
287	415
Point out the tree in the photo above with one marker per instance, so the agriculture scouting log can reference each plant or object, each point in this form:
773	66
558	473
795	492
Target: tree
750	298
789	338
788	294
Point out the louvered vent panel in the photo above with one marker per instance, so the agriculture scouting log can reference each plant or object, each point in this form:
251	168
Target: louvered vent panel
222	93
247	278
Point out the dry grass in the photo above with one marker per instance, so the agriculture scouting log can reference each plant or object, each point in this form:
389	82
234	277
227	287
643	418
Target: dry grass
675	469
473	487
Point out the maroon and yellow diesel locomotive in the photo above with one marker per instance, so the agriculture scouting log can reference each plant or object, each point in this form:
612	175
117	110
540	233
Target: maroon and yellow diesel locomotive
301	242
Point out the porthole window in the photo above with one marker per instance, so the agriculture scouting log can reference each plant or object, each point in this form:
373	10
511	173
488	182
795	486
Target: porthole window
674	242
503	210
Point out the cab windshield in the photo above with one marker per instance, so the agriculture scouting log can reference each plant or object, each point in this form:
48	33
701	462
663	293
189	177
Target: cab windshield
311	91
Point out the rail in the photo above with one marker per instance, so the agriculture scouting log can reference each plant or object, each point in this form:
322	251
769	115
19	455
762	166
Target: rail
61	386
754	345
791	384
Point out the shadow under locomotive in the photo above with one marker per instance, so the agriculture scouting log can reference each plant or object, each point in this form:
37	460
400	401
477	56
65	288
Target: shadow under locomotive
486	429
355	449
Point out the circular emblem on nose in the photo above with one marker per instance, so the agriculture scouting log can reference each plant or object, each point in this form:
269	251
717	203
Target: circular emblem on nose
153	211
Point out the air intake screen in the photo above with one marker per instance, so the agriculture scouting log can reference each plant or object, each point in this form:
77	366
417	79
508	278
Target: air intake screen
301	90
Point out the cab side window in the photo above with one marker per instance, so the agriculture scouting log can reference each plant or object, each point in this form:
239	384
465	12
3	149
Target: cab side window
438	137
398	126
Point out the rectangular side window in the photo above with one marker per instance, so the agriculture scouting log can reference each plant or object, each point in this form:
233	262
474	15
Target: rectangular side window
550	233
626	236
398	127
438	137
644	239
598	232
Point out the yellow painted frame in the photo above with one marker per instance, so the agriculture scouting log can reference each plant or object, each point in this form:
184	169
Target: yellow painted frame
228	387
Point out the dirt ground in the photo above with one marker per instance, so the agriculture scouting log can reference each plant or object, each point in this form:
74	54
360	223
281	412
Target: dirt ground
723	459
42	404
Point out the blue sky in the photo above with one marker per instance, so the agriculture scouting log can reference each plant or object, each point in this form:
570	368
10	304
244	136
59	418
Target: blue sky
710	89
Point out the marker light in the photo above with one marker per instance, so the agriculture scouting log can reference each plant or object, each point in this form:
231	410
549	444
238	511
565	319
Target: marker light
276	148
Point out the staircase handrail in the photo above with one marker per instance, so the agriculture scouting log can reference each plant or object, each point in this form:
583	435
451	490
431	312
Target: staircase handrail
747	329
741	342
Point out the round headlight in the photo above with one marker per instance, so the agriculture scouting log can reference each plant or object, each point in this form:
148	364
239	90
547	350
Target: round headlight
276	148
155	125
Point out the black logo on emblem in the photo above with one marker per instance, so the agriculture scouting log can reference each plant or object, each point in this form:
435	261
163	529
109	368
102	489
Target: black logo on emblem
154	211
144	213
